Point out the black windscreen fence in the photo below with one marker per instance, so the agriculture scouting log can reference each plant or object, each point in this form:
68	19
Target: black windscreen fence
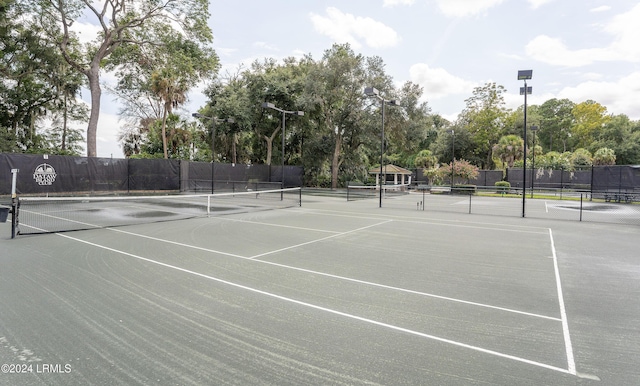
52	174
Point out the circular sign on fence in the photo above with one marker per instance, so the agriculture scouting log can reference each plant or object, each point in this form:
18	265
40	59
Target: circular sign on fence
44	174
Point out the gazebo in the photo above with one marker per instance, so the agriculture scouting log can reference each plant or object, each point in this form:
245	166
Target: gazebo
401	176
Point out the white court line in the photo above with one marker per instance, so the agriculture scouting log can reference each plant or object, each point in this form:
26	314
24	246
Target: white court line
329	310
318	240
443	222
571	364
399	289
276	225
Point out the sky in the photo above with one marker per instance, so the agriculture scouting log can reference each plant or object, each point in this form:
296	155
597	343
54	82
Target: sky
577	49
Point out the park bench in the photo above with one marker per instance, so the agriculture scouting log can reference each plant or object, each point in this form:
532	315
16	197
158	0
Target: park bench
619	197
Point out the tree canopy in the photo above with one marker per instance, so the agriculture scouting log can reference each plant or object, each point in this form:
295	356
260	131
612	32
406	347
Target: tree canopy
158	52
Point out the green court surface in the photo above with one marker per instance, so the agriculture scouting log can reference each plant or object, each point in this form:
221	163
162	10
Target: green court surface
332	292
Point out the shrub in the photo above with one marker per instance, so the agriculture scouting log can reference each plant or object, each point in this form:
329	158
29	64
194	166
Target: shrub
503	186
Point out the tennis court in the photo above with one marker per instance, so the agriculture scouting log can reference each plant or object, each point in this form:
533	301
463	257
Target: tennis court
330	292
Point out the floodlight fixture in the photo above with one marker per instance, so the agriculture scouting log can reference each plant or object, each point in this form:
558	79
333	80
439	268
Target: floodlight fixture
525	74
529	90
371	92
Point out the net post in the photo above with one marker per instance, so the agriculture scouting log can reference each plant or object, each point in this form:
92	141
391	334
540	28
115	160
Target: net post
581	194
300	197
14	202
208	205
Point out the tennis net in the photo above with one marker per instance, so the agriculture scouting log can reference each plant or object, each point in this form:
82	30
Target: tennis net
62	214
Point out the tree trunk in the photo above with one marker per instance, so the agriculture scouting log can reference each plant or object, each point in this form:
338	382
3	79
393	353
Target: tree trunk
63	145
335	162
269	141
164	133
94	87
234	141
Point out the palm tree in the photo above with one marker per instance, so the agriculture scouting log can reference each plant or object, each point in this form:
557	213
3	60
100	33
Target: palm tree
509	149
172	90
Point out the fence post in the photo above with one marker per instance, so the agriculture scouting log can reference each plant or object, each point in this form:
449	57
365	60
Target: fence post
620	181
591	185
561	181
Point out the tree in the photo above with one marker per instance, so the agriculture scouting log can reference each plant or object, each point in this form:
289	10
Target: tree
556	121
334	97
463	144
484	117
554	161
123	23
169	88
410	126
604	156
158	78
509	149
461	169
229	97
282	85
590	117
36	87
622	136
425	159
581	159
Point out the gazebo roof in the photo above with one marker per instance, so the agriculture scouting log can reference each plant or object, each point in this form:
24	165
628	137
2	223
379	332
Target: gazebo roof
390	169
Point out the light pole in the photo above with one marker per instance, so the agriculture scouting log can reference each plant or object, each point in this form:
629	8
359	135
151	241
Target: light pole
525	75
453	155
373	92
267	105
214	120
533	163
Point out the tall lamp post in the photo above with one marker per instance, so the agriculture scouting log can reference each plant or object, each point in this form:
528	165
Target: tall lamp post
267	105
533	163
373	92
525	75
453	155
214	120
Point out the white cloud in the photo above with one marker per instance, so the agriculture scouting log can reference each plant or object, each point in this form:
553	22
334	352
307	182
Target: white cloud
462	8
538	3
225	52
347	28
620	97
624	47
553	51
265	46
601	8
626	31
510	56
592	76
393	3
437	82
